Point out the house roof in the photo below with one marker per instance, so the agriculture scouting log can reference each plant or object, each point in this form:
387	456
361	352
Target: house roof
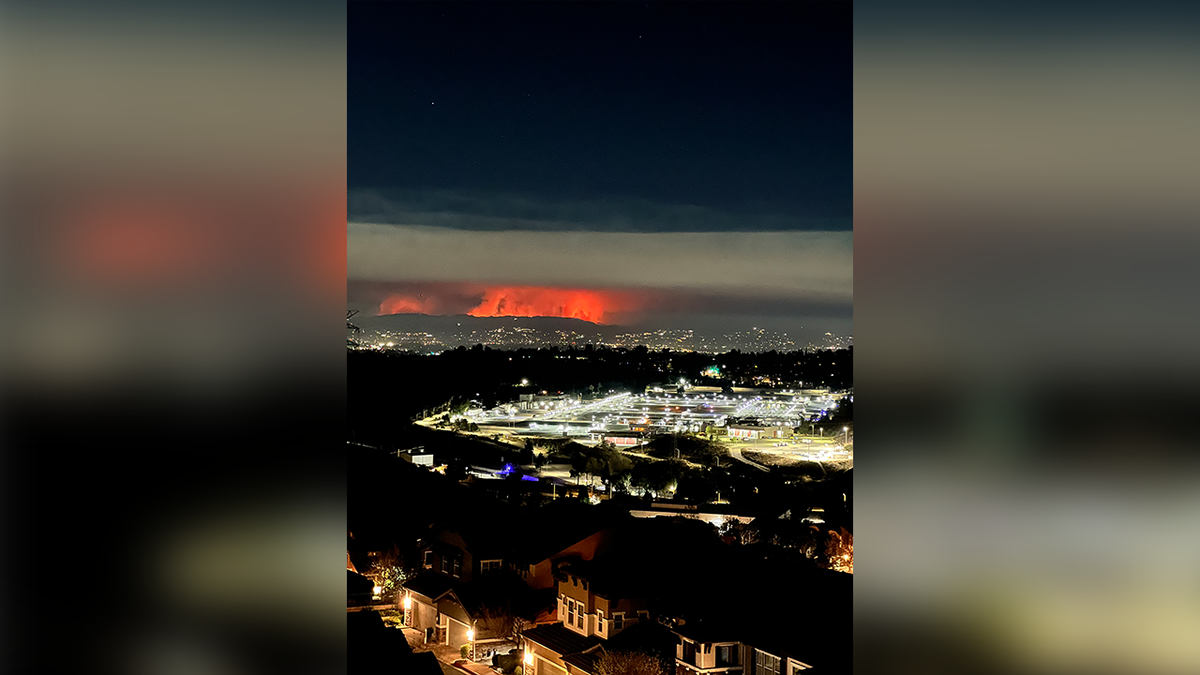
645	560
482	537
645	637
431	584
556	527
709	630
584	661
560	640
357	584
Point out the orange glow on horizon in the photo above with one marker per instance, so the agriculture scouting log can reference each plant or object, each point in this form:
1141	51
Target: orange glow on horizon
404	304
597	306
536	301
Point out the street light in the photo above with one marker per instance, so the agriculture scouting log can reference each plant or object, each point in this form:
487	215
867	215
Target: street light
845	435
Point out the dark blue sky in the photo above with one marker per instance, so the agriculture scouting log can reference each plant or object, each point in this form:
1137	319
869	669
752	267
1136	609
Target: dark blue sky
743	107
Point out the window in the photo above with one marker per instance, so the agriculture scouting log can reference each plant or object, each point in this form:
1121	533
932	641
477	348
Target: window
445	565
570	612
689	652
428	562
618	620
457	566
726	655
486	566
765	664
600	620
643	615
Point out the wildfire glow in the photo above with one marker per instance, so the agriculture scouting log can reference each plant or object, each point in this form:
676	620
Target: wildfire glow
405	304
536	301
597	306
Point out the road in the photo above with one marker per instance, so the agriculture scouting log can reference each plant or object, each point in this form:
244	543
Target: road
736	453
816	451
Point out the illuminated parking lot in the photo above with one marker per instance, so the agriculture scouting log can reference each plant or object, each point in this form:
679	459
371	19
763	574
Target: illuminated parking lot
652	413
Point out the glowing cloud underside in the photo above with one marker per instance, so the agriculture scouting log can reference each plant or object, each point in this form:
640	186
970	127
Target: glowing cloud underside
536	301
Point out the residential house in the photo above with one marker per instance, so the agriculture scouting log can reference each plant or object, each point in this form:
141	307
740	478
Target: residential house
546	647
727	649
478	616
485	613
702	647
537	560
464	551
420	601
597	601
554	650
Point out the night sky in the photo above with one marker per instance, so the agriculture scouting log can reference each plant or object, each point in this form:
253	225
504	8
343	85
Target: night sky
669	164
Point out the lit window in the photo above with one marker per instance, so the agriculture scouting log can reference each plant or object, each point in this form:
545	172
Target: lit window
726	656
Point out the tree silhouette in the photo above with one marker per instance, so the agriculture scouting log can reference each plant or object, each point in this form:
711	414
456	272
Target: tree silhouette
629	663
